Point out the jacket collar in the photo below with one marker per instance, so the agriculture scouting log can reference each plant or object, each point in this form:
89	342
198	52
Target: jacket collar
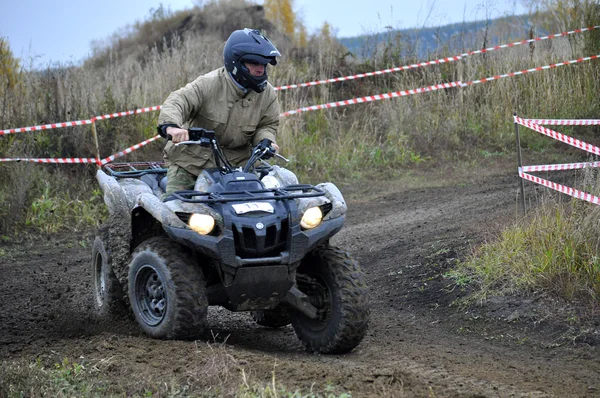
233	87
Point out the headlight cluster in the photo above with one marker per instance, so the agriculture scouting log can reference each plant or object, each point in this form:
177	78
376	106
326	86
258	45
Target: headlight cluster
311	218
202	223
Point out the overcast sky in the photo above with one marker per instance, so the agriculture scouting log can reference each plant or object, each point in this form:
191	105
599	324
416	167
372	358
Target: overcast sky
48	31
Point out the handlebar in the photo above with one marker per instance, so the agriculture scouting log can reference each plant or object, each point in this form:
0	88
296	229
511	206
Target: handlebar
197	136
208	139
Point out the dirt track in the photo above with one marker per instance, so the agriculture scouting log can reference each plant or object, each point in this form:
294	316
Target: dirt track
417	345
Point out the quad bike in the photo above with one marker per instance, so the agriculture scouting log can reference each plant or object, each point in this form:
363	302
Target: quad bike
248	239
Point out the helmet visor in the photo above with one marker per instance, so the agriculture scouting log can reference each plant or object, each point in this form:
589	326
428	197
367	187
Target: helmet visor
258	59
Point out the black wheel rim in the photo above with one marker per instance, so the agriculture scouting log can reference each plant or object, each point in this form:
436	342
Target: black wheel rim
150	295
319	296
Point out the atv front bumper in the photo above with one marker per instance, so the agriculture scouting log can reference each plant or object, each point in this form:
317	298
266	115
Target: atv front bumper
222	248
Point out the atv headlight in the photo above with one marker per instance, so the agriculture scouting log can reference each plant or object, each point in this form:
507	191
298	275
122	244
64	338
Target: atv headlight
202	223
311	218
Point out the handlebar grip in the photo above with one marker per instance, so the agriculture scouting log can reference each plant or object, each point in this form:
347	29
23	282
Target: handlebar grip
169	137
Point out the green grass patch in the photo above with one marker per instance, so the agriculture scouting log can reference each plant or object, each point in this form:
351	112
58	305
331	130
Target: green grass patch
554	250
55	210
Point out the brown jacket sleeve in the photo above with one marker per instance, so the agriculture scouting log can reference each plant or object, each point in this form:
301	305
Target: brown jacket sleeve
269	123
181	105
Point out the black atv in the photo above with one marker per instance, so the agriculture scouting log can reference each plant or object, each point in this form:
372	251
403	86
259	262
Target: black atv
248	239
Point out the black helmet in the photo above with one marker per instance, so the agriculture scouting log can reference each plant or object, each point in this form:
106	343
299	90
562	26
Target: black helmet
249	45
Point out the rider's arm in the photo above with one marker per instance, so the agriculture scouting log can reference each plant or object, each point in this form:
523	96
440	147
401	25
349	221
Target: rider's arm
179	107
269	123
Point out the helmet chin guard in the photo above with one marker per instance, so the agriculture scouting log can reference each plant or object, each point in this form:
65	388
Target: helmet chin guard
249	45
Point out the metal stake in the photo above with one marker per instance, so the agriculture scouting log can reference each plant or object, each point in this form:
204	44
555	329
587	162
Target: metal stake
522	185
96	141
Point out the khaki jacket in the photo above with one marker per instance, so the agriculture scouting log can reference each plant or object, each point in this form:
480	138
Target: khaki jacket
215	102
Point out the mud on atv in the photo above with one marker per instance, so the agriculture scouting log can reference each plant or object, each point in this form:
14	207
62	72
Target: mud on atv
248	239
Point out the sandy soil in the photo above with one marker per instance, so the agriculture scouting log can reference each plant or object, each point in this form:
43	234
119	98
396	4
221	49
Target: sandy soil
418	343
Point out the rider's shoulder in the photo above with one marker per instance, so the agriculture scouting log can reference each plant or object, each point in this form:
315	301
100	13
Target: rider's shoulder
210	77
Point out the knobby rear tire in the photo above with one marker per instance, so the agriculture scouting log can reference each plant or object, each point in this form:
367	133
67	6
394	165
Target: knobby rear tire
107	291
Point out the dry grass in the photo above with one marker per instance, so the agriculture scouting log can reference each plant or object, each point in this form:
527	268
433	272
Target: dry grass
216	372
380	139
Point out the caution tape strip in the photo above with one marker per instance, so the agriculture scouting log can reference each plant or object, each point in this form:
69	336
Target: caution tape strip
560	188
128	150
559	167
128	113
396	94
47	126
558	136
565	122
80	122
563	34
522	72
51	160
372	98
84	160
435	62
360	75
368	74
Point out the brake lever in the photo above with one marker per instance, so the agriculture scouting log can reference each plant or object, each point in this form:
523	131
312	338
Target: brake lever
281	157
274	155
189	143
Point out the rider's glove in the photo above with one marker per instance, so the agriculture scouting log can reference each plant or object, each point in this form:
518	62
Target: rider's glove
265	143
162	129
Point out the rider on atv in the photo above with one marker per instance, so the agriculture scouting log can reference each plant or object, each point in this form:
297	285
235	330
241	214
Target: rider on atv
235	101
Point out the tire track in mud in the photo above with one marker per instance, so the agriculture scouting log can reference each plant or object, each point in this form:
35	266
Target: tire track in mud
389	239
411	349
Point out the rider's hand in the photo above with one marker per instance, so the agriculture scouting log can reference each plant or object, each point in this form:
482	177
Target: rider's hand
270	146
177	134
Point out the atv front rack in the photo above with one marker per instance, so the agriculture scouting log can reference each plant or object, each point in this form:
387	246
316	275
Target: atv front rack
134	169
289	192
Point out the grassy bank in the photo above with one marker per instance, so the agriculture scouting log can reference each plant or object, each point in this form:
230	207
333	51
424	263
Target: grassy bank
552	252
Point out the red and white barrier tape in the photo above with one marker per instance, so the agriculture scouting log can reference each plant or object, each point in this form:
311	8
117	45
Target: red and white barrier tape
559	167
430	88
435	62
47	126
84	160
51	160
79	122
563	34
372	98
368	74
128	150
533	124
558	136
560	188
522	72
128	113
565	122
361	75
377	97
